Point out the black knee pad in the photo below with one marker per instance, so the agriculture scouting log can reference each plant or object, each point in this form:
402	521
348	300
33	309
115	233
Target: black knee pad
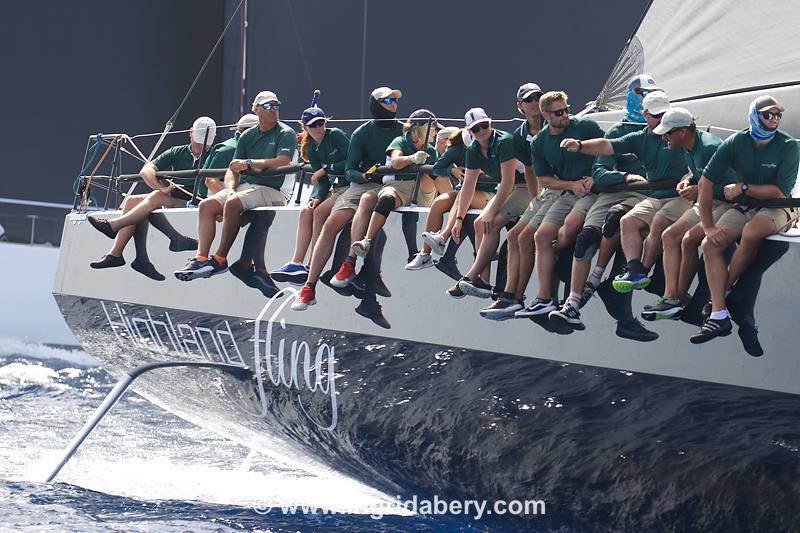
587	243
385	205
611	225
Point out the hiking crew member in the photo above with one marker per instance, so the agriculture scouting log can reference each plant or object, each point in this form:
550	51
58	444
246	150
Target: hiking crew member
601	228
326	151
222	154
682	239
765	161
491	152
569	174
366	152
519	241
137	209
269	145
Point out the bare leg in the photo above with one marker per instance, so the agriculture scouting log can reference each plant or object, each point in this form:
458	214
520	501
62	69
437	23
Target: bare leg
304	233
753	233
569	230
716	269
324	245
321	214
690	261
673	260
487	247
652	246
231	222
208	211
631	234
138	209
362	217
545	258
440	206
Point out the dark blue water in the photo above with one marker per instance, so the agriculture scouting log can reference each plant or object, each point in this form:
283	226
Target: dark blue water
145	470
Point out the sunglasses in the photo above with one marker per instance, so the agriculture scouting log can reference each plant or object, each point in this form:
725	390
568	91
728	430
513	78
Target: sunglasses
769	115
673	131
270	105
478	127
389	100
655	115
559	112
532	98
316	124
642	92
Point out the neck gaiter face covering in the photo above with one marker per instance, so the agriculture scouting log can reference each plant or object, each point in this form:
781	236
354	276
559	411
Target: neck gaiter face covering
633	106
383	117
758	131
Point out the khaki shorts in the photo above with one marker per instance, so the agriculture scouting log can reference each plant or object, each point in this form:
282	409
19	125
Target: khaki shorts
538	207
404	190
173	203
692	216
735	218
515	204
567	203
350	197
252	196
669	208
336	192
596	216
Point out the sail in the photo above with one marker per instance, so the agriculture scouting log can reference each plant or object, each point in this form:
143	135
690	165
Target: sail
694	49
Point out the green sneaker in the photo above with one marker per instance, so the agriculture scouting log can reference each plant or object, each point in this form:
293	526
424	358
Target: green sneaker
629	281
663	309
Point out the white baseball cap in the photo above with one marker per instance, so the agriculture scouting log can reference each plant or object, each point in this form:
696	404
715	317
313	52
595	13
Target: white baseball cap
676	117
266	96
476	115
644	82
446	133
386	92
656	102
247	121
200	127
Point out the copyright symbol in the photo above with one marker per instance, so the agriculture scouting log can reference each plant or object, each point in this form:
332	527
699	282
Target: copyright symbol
262	510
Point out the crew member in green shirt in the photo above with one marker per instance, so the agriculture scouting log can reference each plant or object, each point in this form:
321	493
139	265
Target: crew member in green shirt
137	209
271	144
326	151
222	154
765	161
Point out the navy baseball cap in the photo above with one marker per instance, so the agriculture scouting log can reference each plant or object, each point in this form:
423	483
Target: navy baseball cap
313	114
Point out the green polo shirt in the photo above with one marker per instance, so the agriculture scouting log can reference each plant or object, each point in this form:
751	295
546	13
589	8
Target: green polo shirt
406	146
776	163
256	144
549	159
453	155
705	146
610	170
368	147
220	156
331	153
660	163
178	158
522	148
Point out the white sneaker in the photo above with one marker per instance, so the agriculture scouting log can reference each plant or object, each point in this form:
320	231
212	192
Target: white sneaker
437	243
420	262
538	307
360	248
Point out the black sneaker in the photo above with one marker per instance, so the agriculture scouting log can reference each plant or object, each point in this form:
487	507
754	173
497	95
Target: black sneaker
108	261
372	310
196	269
264	283
712	328
502	309
539	307
568	315
217	268
477	288
586	295
381	289
244	273
103	226
749	337
455	291
449	267
635	331
146	268
182	244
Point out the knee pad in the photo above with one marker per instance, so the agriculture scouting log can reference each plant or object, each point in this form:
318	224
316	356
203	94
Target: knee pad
587	243
385	205
611	224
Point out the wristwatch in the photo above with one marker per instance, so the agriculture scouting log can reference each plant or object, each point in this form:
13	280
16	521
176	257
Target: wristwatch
249	165
744	188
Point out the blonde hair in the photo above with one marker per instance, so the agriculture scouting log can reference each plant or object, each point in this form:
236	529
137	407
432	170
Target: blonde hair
548	98
456	138
417	131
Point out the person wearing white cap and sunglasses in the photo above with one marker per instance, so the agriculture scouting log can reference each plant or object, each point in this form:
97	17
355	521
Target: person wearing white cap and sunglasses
491	153
138	209
326	151
682	239
269	145
765	160
222	154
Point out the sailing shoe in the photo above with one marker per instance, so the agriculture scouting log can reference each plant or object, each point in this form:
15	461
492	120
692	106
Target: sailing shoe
477	288
635	331
455	291
539	307
629	281
712	328
182	243
244	272
103	226
435	241
448	266
749	336
195	269
360	248
306	297
293	273
108	261
663	309
381	289
420	261
146	268
344	276
502	309
263	282
588	292
217	267
372	310
567	315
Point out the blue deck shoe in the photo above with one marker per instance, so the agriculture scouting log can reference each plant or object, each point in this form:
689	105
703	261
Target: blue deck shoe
629	281
293	273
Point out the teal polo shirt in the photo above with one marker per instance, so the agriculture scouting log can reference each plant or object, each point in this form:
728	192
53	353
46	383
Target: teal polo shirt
331	153
368	147
256	144
406	146
660	163
610	170
549	159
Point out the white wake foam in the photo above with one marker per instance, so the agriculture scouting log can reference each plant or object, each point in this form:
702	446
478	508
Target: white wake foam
9	347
